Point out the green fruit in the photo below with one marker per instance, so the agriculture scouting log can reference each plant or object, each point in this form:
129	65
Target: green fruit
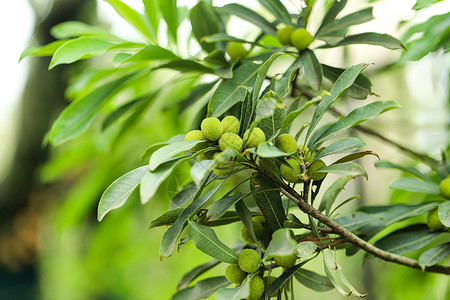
234	274
256	286
257	229
433	221
286	143
230	124
196	135
444	188
212	128
236	50
301	38
206	155
260	219
249	260
286	261
291	174
256	138
304	152
223	171
312	170
284	35
230	140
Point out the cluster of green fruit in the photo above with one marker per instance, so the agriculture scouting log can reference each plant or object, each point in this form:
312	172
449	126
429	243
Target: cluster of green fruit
299	163
300	38
433	220
222	135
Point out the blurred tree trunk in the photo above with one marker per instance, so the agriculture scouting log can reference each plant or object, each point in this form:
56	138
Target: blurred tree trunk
42	100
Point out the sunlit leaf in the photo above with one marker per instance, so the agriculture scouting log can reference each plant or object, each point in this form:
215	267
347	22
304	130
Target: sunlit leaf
416	185
164	153
282	244
341	146
204	23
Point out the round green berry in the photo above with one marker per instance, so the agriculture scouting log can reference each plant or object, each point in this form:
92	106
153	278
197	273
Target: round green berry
286	261
444	188
286	143
236	50
256	286
291	174
304	152
257	229
230	124
249	260
234	274
256	137
301	38
230	140
312	170
260	219
433	221
223	171
212	128
196	135
284	35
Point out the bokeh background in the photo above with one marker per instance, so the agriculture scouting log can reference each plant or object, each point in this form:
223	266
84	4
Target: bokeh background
51	245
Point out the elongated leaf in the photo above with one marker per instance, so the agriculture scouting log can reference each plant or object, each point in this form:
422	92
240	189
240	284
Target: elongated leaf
410	170
332	14
330	195
185	195
168	218
153	179
185	66
261	76
169	12
152	15
46	50
354	156
221	206
79	48
194	273
278	10
272	124
341	146
361	87
72	29
118	192
434	255
283	278
200	170
344	81
313	280
444	213
237	293
245	215
312	68
370	38
156	146
294	114
267	150
76	118
150	53
204	23
346	169
416	185
305	249
356	117
206	240
202	289
171	235
358	17
269	202
282	85
165	153
251	16
231	91
282	244
330	266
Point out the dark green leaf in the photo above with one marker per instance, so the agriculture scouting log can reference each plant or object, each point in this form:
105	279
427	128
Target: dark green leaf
202	289
251	16
312	68
165	153
313	280
118	192
204	23
332	14
169	12
183	196
416	185
221	206
370	38
341	146
194	273
186	66
283	278
282	85
294	114
245	215
434	255
330	195
358	17
228	218
278	10
360	88
168	218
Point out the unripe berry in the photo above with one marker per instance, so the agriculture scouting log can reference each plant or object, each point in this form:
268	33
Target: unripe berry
304	151
286	261
230	124
301	38
230	140
236	50
312	170
212	128
196	135
260	219
256	286
433	220
257	229
223	171
256	137
444	188
249	260
234	274
286	143
284	35
291	174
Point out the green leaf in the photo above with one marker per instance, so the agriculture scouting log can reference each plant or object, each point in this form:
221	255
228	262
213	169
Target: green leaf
313	280
183	196
312	68
282	244
194	273
370	38
332	14
76	118
410	170
202	289
354	156
204	22
131	16
72	29
434	255
267	150
168	218
294	114
341	146
444	213
344	81
282	86
269	202
416	185
237	293
79	48
330	266
169	12
152	15
424	3
305	249
118	192
165	153
206	240
221	206
245	215
185	66
356	117
330	195
346	169
261	76
156	146
171	235
231	91
283	278
361	87
272	124
46	50
358	17
251	16
200	170
228	218
150	53
278	10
